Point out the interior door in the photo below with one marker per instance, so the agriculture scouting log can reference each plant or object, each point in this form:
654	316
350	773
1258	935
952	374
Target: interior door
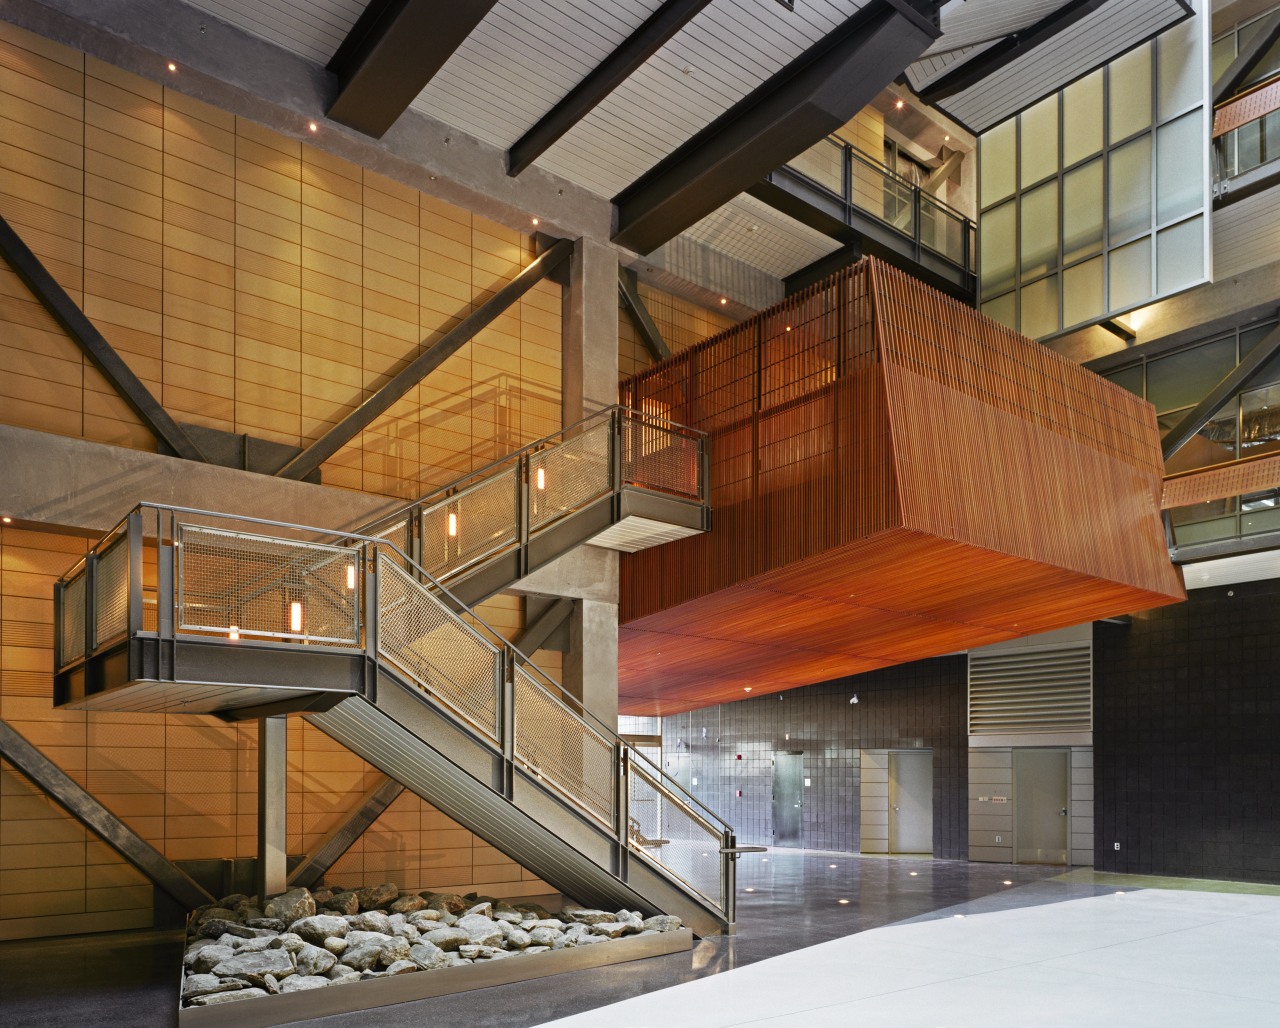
788	798
911	801
1041	805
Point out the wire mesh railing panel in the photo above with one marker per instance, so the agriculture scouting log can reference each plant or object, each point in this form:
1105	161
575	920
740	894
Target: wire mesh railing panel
658	457
72	628
111	592
686	846
472	524
397	534
564	478
242	585
554	743
426	641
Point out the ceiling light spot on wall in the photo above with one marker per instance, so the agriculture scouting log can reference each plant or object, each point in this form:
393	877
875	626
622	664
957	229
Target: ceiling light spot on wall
7	520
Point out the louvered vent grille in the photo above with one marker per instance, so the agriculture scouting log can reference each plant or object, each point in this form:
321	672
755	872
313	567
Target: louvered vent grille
1031	691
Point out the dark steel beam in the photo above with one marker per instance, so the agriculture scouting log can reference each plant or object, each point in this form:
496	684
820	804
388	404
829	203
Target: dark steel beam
343	837
610	73
823	267
810	98
535	634
1243	373
444	348
629	290
1013	46
1235	546
84	334
392	52
93	815
1231	79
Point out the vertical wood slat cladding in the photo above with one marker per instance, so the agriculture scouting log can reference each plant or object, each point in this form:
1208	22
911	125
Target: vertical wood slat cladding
893	476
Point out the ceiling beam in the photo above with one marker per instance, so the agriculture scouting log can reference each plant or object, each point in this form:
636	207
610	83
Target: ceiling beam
1235	380
440	351
72	320
345	833
650	335
615	69
1011	47
392	52
1231	79
538	631
814	95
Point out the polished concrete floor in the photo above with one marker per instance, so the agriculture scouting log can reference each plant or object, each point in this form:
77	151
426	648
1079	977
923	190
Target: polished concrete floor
1033	944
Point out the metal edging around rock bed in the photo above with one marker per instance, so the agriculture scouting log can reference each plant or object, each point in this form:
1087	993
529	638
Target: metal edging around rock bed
264	1012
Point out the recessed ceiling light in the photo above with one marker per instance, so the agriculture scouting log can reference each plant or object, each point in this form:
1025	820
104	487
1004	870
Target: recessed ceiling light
946	139
831	865
1008	883
723	300
746	688
900	104
172	66
842	902
788	328
312	126
748	890
960	916
7	520
535	221
914	873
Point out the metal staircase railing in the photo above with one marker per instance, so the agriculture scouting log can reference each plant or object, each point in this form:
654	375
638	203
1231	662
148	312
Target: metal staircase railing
498	508
256	589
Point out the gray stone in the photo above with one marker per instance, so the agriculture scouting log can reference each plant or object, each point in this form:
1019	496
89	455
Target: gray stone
271	924
480	909
611	929
455	960
407	932
480	930
449	902
254	967
347	976
365	950
518	938
372	921
538	949
479	952
235	900
217	998
248	912
377	896
362	956
303	982
341	971
554	923
321	896
509	916
271	984
662	922
424	920
319	927
217	927
427	956
448	939
336	945
630	917
407	904
312	960
584	915
220	913
207	984
345	902
290	906
289	942
544	936
257	945
402	967
203	960
536	911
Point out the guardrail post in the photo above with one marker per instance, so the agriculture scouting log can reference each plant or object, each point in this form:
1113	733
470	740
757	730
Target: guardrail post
846	174
134	531
524	511
915	218
371	623
622	787
59	602
507	719
615	460
90	613
729	880
966	245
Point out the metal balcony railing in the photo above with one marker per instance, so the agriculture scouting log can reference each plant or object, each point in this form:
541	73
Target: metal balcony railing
498	507
860	181
171	574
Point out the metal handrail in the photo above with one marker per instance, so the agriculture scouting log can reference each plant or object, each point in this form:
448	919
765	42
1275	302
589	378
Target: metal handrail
366	546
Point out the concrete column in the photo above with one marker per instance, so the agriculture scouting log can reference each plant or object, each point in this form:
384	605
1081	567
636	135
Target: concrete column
591	665
589	357
272	802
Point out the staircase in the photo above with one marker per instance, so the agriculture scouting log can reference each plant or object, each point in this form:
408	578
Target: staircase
178	610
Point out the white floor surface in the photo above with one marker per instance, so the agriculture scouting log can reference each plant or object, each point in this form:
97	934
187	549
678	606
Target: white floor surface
1143	957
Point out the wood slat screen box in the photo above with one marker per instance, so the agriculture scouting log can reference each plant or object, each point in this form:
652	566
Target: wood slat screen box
894	476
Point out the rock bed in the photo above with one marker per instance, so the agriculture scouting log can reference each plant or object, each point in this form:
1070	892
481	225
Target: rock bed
304	940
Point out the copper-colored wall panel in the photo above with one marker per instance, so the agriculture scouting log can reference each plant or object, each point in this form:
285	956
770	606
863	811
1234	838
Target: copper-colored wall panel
894	476
1208	484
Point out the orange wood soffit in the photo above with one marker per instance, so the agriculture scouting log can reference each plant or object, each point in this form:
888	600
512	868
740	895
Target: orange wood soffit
894	476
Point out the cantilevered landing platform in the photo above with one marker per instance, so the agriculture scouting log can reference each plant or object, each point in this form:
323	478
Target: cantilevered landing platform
894	477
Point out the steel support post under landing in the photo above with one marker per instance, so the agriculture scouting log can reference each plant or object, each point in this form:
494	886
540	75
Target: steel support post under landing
272	873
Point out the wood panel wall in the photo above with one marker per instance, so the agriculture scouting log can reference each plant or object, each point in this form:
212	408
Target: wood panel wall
894	476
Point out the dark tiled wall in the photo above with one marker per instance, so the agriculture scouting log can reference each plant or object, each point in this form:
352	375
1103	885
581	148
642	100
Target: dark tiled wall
913	705
1187	737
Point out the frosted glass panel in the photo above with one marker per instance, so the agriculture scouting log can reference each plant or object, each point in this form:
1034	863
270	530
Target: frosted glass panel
1130	97
999	249
1131	188
1130	275
1040	230
1082	118
1082	292
1224	52
1082	211
1185	378
1129	378
997	163
1038	145
1040	307
1178	69
1179	182
1180	255
1001	309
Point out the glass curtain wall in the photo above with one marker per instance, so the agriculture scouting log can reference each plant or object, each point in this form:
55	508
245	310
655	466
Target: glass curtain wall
1093	200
